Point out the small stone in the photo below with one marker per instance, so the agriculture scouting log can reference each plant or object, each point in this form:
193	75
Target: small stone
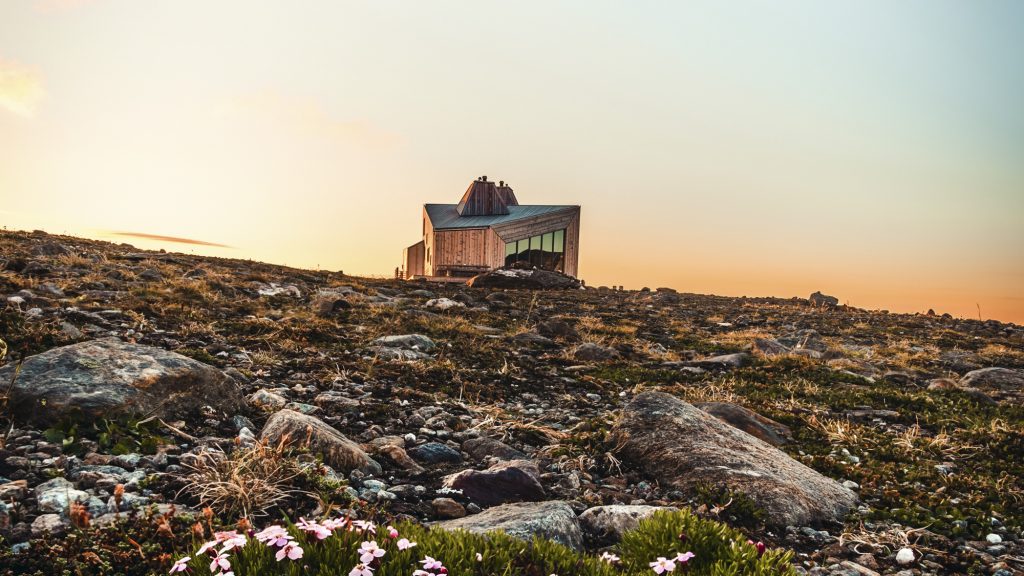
435	453
48	524
447	508
993	538
905	556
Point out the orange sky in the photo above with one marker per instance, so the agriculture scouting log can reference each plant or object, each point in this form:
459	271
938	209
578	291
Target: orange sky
870	151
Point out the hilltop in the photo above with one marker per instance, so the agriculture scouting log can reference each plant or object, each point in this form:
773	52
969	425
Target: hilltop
441	402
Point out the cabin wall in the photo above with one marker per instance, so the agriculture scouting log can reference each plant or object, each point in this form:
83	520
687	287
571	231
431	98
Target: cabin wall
412	260
428	245
572	246
462	249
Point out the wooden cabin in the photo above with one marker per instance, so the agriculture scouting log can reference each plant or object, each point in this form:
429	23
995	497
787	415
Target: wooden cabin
489	229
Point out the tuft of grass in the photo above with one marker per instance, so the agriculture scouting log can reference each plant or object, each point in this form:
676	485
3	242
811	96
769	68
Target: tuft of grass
248	482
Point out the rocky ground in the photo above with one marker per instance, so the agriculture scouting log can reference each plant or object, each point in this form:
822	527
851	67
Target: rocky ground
136	382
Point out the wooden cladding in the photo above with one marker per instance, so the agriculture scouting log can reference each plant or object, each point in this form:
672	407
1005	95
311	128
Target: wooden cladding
475	249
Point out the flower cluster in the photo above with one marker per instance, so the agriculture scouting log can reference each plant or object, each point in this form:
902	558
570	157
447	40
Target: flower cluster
276	536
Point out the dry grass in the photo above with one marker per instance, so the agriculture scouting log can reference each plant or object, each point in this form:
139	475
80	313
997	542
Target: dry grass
886	541
249	481
837	430
944	445
710	392
997	354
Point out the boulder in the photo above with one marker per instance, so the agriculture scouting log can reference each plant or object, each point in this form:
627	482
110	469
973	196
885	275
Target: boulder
406	342
804	340
300	430
768	348
447	508
605	525
524	279
399	457
557	328
508	481
483	447
685	447
590	352
107	377
1003	379
736	360
443	304
433	453
819	300
749	421
553	520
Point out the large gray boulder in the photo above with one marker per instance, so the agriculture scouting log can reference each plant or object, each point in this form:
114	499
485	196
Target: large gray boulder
299	430
524	279
1002	379
108	377
553	520
683	446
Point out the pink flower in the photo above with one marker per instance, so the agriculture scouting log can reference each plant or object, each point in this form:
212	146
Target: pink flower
479	557
292	550
662	565
361	570
392	532
685	557
180	565
368	551
363	525
404	544
318	530
206	547
230	539
221	562
273	536
419	573
431	564
333	524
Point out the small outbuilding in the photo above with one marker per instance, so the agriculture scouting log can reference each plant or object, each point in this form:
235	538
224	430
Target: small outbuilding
489	229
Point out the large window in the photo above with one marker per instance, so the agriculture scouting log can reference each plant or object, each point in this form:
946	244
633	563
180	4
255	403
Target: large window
545	251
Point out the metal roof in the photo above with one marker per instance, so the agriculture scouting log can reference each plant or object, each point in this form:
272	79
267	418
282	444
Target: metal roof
446	216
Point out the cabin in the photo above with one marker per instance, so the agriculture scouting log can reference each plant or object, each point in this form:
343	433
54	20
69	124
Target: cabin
489	229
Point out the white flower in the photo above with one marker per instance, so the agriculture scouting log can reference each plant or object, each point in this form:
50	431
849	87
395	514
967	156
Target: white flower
361	570
431	564
368	551
905	556
662	565
609	558
404	544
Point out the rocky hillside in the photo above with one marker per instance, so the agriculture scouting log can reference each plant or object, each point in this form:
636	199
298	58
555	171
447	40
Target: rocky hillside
140	387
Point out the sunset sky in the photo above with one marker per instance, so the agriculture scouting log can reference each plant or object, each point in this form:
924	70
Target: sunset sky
873	150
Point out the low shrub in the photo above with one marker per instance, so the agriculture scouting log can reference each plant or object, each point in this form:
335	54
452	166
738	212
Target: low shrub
665	542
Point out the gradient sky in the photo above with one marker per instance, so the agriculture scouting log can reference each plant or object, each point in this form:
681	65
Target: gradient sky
873	150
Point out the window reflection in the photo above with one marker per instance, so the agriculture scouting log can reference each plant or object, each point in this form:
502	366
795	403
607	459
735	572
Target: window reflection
545	251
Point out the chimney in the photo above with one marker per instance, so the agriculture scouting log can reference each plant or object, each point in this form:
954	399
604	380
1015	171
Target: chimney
483	178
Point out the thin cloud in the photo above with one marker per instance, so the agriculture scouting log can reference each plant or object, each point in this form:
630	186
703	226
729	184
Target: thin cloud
52	6
21	89
173	239
310	117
